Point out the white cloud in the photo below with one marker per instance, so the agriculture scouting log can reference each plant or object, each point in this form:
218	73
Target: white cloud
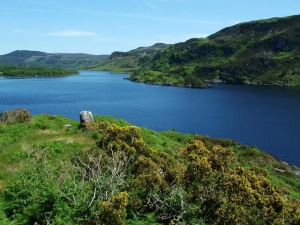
71	33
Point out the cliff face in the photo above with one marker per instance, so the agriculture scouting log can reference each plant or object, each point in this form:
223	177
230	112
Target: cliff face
118	54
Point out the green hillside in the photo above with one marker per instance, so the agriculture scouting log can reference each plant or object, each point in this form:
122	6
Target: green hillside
54	171
129	61
21	71
257	52
42	59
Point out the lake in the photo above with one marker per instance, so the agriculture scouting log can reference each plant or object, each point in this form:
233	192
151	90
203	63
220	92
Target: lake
265	116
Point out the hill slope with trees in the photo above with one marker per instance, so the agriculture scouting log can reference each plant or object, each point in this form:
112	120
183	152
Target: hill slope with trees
19	71
256	52
129	61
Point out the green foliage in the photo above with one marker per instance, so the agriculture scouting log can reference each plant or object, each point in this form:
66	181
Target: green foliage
126	138
55	147
114	212
110	119
233	194
144	219
52	122
12	133
77	191
136	176
129	61
18	71
257	52
3	218
167	141
31	196
58	60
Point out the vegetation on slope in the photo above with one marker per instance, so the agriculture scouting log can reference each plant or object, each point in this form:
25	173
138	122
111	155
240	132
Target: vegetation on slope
59	60
109	172
257	52
18	71
129	61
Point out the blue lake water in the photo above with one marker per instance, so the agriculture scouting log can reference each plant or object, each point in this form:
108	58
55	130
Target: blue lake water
265	116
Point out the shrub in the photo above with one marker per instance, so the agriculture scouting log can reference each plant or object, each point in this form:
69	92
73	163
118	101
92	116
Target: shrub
16	116
113	212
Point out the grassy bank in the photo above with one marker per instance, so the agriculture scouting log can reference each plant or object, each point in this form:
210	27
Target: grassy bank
110	172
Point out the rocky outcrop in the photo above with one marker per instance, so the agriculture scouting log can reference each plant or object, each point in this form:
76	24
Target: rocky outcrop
118	54
16	116
203	50
279	43
85	117
258	28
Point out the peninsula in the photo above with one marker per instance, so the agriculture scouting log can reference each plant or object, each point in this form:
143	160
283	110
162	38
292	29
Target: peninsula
22	71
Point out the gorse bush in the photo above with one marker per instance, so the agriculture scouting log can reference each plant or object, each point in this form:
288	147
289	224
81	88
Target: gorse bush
114	211
233	194
124	180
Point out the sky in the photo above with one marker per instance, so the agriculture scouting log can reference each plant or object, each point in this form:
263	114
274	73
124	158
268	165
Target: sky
104	26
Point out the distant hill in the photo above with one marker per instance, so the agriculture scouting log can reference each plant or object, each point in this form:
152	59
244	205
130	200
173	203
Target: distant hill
26	71
37	58
128	61
258	52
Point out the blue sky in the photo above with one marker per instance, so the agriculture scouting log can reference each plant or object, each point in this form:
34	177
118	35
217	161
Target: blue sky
104	26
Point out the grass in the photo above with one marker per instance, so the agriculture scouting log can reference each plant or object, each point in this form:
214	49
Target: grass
46	137
43	133
47	134
251	157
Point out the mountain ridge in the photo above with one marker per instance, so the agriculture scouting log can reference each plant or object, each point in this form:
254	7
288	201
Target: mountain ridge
127	61
38	58
256	52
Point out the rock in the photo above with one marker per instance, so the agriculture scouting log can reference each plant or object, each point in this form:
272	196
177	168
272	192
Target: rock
279	170
16	116
86	117
118	54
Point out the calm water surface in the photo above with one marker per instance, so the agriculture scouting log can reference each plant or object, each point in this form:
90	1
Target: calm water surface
264	116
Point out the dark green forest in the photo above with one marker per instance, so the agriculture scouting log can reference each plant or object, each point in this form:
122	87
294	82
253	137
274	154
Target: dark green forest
56	171
20	71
